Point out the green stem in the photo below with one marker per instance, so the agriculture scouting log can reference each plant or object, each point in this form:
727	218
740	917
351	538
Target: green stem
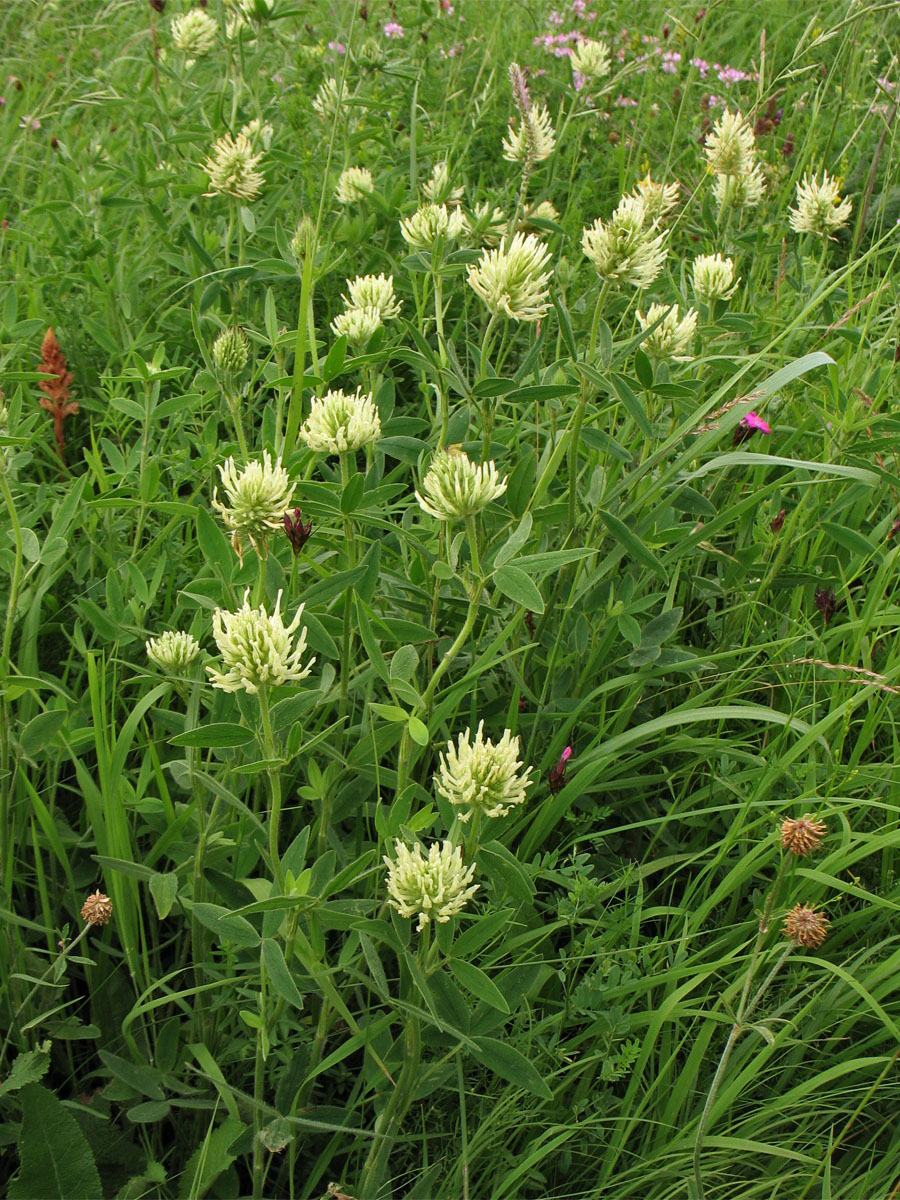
442	353
745	1006
350	553
274	777
12	603
578	418
64	953
234	408
388	1124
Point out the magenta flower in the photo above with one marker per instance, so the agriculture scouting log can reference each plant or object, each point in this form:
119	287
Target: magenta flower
393	30
746	426
556	777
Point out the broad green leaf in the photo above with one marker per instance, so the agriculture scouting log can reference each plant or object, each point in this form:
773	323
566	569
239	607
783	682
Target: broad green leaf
28	1067
279	973
216	734
478	983
633	544
56	1162
164	889
225	925
514	583
504	1060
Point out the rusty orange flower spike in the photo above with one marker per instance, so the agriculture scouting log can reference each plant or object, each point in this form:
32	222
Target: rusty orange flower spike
56	389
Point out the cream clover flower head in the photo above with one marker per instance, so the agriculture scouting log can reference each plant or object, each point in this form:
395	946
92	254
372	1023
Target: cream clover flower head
659	198
230	351
591	58
329	99
439	188
545	211
432	224
258	650
713	278
512	279
232	168
671	338
434	887
533	140
373	291
194	32
486	223
172	651
358	324
483	776
739	191
730	145
341	421
820	209
258	132
624	249
456	488
257	500
354	183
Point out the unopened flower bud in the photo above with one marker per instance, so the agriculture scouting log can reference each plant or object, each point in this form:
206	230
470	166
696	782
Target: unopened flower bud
231	350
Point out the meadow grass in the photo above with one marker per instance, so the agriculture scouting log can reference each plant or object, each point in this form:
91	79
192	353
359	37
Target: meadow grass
592	684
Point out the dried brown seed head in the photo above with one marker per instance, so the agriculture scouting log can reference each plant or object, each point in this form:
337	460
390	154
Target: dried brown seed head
97	909
806	927
802	835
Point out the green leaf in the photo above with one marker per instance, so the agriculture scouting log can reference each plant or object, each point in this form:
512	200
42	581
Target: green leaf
214	544
514	542
28	1067
334	362
56	1160
225	925
418	731
544	391
503	1060
496	860
478	983
643	368
210	1159
215	735
42	729
850	539
514	583
486	389
352	493
631	404
148	1112
633	544
279	973
661	628
164	889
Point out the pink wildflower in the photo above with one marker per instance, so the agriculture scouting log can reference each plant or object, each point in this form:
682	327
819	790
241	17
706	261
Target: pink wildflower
393	30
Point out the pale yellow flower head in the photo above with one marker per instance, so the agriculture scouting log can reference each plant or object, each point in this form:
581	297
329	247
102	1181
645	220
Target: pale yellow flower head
329	99
358	324
730	145
256	500
258	650
172	651
341	421
373	291
194	33
440	188
533	139
672	338
713	278
740	191
659	198
512	279
591	58
232	168
625	249
354	183
820	209
432	224
456	488
433	886
482	776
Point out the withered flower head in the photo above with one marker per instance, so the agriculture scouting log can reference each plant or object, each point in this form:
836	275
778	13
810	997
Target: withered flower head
802	835
56	388
826	602
97	909
777	521
806	927
297	530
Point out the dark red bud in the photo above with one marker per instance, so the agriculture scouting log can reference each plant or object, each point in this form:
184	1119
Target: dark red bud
777	521
298	531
